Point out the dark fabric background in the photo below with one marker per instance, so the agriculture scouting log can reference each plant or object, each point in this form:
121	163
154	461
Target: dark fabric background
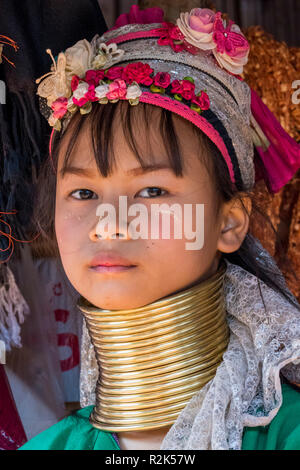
24	134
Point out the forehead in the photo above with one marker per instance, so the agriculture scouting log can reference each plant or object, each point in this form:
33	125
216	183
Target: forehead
146	128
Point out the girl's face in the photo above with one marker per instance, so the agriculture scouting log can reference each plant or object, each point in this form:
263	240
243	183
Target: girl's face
157	267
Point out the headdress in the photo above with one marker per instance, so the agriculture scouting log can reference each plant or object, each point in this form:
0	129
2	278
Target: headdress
192	68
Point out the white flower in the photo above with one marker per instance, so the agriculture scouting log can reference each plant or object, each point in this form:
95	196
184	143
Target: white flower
54	122
101	90
71	106
111	52
81	90
99	61
79	58
133	91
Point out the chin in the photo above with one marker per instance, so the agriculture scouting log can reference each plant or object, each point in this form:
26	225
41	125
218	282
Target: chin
119	304
112	298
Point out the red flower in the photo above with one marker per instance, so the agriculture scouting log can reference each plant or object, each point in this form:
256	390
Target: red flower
74	82
59	107
202	101
185	88
93	77
170	33
162	79
138	72
91	93
173	37
114	72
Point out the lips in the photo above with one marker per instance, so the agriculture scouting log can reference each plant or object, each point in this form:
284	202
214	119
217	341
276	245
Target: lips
110	260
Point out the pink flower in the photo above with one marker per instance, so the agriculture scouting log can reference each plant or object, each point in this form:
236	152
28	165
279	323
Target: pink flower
185	88
197	27
232	48
114	72
162	79
117	90
202	101
74	82
93	77
59	107
138	72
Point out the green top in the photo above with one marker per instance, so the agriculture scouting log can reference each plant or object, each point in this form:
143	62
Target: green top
76	433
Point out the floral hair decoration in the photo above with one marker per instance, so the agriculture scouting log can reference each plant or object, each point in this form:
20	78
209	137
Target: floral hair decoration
123	83
192	68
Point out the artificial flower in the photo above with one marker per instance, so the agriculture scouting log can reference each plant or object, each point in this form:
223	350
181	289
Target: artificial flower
110	52
117	90
185	88
78	59
114	72
202	100
162	79
99	61
59	107
133	91
232	48
197	27
54	122
138	72
93	77
101	91
84	93
74	82
171	36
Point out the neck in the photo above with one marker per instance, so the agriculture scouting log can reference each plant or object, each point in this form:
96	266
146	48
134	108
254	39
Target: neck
153	359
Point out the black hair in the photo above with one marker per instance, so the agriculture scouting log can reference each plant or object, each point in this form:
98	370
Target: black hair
101	120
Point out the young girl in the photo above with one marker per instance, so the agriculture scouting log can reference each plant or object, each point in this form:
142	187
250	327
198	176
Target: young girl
197	343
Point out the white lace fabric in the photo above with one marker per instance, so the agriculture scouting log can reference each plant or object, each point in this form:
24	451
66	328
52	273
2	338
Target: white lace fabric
246	390
13	310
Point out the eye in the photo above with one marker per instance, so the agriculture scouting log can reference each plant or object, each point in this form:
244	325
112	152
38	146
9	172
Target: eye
151	192
84	194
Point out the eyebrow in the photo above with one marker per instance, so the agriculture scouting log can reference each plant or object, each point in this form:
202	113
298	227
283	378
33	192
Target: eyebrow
73	170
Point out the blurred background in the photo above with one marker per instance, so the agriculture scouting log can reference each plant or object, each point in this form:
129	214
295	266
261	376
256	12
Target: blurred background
278	17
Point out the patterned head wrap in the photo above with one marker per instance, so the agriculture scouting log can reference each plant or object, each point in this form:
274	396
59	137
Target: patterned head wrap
191	68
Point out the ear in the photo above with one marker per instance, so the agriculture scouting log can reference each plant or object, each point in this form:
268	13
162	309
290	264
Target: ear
234	224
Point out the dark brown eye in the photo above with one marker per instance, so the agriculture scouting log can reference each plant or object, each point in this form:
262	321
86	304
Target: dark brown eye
84	194
152	192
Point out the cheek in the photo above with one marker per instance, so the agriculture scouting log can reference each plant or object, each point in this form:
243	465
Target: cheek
70	229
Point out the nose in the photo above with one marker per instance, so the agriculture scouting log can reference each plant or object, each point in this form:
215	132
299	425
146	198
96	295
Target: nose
110	224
